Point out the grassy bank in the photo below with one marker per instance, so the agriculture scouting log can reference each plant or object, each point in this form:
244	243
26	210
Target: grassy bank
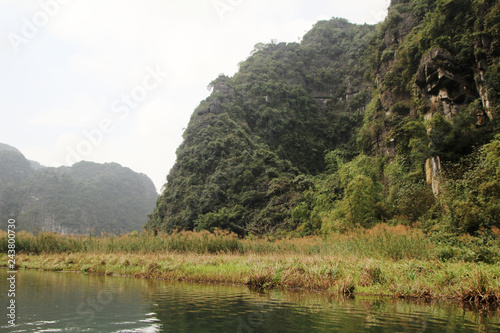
380	242
395	261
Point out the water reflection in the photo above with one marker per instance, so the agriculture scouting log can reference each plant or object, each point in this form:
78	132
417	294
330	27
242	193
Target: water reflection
309	312
69	302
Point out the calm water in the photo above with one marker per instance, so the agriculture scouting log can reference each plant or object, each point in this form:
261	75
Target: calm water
69	302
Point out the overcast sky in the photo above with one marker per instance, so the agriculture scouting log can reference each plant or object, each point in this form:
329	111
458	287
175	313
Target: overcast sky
117	80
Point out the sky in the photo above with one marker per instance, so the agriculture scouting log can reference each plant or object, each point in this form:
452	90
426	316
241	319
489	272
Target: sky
117	80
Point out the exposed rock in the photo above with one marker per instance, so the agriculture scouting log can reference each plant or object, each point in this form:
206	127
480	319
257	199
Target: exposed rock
485	51
483	92
438	76
439	80
391	42
221	85
432	172
215	108
406	22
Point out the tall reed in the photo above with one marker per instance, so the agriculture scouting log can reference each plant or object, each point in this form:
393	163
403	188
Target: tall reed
379	242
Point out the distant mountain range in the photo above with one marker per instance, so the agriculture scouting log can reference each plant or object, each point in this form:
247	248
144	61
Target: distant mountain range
87	197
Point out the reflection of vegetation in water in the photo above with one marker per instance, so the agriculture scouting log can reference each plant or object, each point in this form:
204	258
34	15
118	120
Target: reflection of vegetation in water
373	311
279	311
76	302
387	260
75	298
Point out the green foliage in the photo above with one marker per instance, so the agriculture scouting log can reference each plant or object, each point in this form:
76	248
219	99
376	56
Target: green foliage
373	124
408	196
412	144
282	83
449	247
277	147
412	200
224	178
452	139
250	148
471	194
361	202
361	197
441	134
492	80
394	125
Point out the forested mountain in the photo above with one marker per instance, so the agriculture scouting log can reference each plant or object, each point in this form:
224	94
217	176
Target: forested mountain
249	147
4	147
355	125
14	170
79	199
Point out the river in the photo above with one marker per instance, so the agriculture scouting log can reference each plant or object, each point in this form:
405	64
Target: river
72	302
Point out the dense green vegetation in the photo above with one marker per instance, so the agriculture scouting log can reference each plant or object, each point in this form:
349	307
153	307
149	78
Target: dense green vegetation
384	260
87	197
382	242
249	148
354	126
379	144
435	102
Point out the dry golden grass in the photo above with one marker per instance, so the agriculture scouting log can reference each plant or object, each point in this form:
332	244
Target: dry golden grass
384	260
467	282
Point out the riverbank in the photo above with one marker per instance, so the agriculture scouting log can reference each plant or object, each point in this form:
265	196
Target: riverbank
386	261
469	282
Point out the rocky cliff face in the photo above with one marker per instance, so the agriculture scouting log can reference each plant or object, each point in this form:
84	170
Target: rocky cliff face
443	85
435	58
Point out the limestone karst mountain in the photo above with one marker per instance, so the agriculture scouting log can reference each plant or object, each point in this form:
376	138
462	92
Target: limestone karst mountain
87	197
355	125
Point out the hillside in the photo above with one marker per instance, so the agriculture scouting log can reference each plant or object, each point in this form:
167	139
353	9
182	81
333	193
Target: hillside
78	199
14	170
355	125
4	147
249	146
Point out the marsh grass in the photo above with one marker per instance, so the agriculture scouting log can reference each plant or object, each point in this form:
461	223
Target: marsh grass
386	260
383	241
202	242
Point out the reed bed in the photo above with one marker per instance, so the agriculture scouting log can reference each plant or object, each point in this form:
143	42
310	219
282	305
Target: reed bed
380	242
387	260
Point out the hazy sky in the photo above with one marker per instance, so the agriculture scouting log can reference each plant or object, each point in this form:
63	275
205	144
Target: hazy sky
117	80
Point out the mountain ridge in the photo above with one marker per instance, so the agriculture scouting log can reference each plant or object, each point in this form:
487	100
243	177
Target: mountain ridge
85	198
356	125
